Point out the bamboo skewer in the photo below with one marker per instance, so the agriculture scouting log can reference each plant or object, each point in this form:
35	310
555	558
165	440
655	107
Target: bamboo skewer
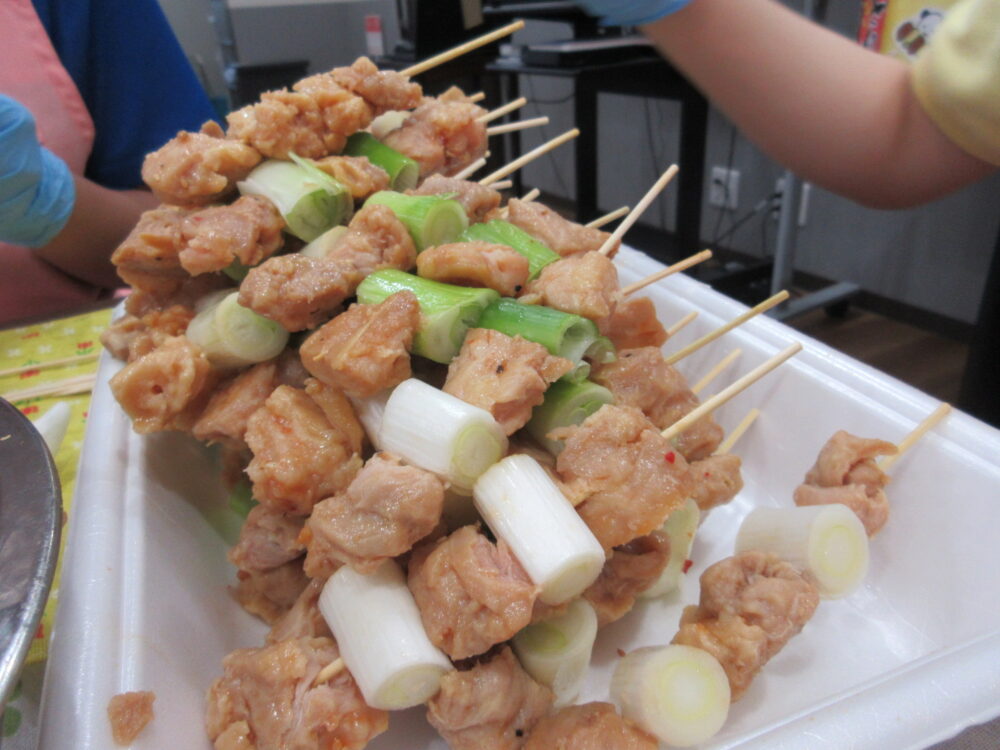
636	212
727	445
510	127
330	671
682	265
471	169
724	395
499	112
477	97
50	365
503	185
739	320
714	372
682	323
66	387
600	221
529	157
531	195
929	423
461	49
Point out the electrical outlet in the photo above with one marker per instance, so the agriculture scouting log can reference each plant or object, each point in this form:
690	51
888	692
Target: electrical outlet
724	191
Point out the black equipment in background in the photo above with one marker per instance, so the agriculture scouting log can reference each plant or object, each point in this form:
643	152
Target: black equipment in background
430	26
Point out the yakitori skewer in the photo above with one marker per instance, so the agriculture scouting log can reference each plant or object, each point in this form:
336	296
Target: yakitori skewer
636	212
529	157
708	338
49	365
677	267
682	323
502	110
737	432
510	127
714	372
918	432
470	170
600	221
461	49
710	405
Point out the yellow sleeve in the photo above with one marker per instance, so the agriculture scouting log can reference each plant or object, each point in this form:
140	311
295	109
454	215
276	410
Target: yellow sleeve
957	77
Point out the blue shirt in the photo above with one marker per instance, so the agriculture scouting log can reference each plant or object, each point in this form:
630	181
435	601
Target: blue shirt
133	76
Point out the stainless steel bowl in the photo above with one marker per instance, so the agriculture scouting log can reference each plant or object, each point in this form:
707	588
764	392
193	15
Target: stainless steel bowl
30	523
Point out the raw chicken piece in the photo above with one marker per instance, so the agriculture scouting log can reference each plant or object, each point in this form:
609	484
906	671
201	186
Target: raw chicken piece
492	706
630	570
630	476
267	698
299	456
715	480
194	169
480	264
167	388
633	324
129	713
387	508
149	257
872	509
589	726
130	337
270	593
585	284
303	620
375	239
384	90
355	173
297	291
248	230
187	294
365	350
561	235
751	604
472	594
642	379
442	136
477	200
267	540
505	376
232	403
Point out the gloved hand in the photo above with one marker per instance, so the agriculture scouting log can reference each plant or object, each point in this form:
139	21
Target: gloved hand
36	186
630	12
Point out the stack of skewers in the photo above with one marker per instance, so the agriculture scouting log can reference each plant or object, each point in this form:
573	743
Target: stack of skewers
452	483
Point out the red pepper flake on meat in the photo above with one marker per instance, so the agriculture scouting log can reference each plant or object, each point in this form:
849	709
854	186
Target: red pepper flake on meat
687	566
621	652
671	457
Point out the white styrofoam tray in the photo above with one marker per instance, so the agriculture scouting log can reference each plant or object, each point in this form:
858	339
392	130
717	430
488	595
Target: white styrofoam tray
910	658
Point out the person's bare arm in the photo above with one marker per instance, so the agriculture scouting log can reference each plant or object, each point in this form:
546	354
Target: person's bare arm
835	113
100	220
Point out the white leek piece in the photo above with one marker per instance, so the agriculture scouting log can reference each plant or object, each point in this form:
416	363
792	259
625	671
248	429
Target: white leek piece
680	527
679	694
52	425
386	122
369	412
381	637
233	335
524	507
556	652
323	244
441	433
828	541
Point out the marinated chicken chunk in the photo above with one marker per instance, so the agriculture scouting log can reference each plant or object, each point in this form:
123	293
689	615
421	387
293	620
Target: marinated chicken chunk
270	594
387	508
585	285
627	472
492	706
149	257
642	379
631	569
367	349
480	264
276	697
167	388
338	411
232	403
472	594
846	472
375	239
633	324
384	90
589	726
561	235
442	136
130	337
355	173
190	291
297	291
751	605
505	376
299	457
248	230
194	169
303	619
268	539
129	713
477	200
715	480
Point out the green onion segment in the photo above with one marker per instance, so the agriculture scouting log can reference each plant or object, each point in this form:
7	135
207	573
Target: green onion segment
322	245
566	403
680	526
501	232
556	652
232	335
402	170
430	219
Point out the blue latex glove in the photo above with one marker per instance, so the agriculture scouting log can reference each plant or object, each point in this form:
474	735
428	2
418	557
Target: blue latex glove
630	12
36	186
